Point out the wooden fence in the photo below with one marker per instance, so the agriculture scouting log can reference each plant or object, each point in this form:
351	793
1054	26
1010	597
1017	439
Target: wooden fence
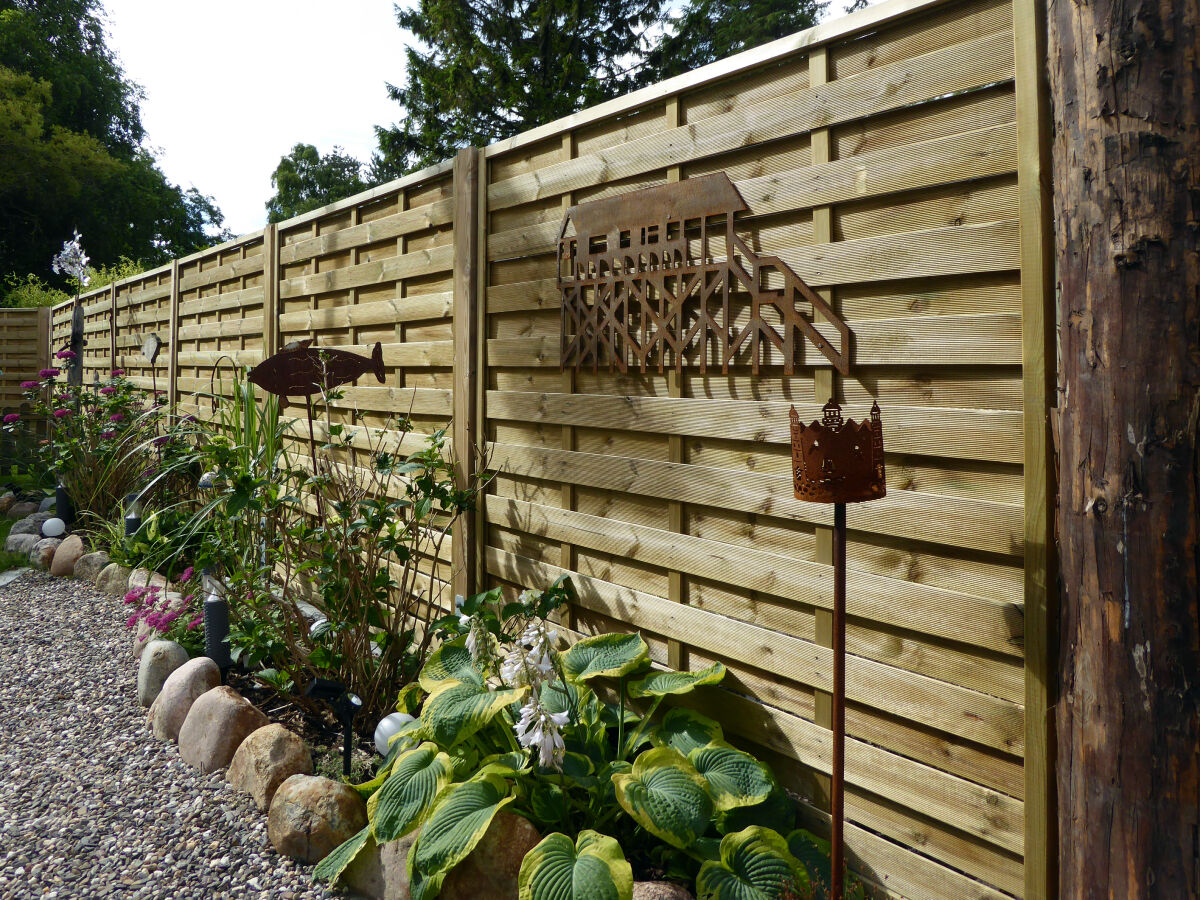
24	351
895	159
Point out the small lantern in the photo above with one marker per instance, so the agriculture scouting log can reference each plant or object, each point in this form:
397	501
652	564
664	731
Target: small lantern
837	461
388	727
133	514
216	625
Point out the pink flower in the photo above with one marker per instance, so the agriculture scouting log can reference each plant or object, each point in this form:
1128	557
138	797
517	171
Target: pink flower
131	621
48	373
12	417
61	413
195	623
65	354
105	435
116	417
62	398
187	576
117	373
108	390
30	385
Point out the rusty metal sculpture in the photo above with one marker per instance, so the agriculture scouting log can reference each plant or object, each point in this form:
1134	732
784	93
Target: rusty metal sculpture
641	280
838	461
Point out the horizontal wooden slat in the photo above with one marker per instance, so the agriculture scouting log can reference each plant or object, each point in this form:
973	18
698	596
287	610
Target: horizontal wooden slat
238	268
407	221
411	264
400	309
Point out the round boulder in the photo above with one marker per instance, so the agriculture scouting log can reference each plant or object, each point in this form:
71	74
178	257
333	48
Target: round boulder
20	543
660	890
6	503
491	870
89	566
265	760
31	523
43	551
173	703
22	509
139	578
216	725
311	815
380	871
46	505
112	580
159	660
65	557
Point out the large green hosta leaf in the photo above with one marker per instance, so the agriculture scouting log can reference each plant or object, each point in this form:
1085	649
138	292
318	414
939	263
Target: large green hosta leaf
666	796
449	662
613	655
407	796
813	853
593	868
659	684
734	778
686	730
332	866
776	812
463	814
456	711
755	864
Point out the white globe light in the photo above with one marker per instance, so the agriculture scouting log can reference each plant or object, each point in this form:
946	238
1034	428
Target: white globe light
388	727
53	528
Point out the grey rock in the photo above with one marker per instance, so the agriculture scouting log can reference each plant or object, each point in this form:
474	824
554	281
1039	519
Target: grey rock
490	872
159	660
173	703
380	871
660	890
20	543
7	578
265	760
23	508
65	557
42	553
311	815
113	580
90	565
139	578
46	505
216	725
30	523
6	502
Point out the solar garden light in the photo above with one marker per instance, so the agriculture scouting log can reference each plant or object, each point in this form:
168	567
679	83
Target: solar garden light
133	514
389	726
345	706
216	625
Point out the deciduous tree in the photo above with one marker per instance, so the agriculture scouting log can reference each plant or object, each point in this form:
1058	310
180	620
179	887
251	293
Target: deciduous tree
305	179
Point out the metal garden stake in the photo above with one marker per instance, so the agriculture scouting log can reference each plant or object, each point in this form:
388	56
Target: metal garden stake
839	462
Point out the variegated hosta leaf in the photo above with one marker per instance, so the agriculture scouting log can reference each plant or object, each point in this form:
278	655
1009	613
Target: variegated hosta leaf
593	868
659	684
666	796
449	662
503	764
755	864
776	812
408	795
686	730
813	853
332	866
457	710
459	822
613	655
734	778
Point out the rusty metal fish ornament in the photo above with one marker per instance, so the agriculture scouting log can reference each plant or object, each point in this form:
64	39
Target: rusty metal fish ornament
302	370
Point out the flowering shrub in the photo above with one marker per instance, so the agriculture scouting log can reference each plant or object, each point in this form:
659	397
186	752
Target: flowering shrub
516	723
176	619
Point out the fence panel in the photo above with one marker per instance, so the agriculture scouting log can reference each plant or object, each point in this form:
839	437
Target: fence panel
24	351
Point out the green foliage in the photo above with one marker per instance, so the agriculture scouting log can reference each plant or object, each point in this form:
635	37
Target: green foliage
708	30
755	864
593	868
71	141
305	180
481	70
29	291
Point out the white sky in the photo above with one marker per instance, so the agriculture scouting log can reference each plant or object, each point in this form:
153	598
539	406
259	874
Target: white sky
232	85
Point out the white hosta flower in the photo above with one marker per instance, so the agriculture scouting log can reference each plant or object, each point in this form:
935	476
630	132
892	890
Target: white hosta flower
478	638
72	261
539	728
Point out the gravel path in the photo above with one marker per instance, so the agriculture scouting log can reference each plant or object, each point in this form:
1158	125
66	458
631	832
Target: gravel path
91	805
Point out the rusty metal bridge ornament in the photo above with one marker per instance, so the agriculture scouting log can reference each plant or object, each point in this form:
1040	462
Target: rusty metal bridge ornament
654	276
838	461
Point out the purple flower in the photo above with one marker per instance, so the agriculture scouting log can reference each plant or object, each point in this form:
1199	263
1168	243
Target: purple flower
195	623
65	354
116	417
61	413
30	385
187	576
131	621
48	373
115	373
105	435
62	398
108	390
12	417
152	620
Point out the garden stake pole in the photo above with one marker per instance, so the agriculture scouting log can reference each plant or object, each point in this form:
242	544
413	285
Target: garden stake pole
837	782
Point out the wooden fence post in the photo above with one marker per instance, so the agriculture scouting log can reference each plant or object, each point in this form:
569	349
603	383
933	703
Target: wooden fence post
466	360
270	290
173	341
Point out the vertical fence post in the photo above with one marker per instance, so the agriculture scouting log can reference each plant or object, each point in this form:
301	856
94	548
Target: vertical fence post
112	326
466	359
173	341
44	341
270	290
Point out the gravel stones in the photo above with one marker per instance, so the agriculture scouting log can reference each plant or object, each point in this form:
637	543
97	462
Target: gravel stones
265	759
112	580
491	870
173	703
91	807
159	660
43	551
66	556
90	565
215	727
21	543
23	508
30	523
311	815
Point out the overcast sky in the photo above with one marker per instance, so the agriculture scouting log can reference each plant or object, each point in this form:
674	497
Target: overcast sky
232	86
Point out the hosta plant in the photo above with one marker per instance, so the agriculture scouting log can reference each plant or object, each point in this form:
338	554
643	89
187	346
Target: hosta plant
571	740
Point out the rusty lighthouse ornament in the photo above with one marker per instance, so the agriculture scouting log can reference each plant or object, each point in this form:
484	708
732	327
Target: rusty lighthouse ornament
838	461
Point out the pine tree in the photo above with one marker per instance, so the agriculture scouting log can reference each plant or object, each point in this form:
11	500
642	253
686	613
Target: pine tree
708	30
489	69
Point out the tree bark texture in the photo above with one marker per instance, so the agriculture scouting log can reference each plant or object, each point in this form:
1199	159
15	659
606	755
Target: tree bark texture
1125	89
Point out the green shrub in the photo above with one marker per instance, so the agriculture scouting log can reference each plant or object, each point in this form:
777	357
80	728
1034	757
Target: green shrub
29	291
